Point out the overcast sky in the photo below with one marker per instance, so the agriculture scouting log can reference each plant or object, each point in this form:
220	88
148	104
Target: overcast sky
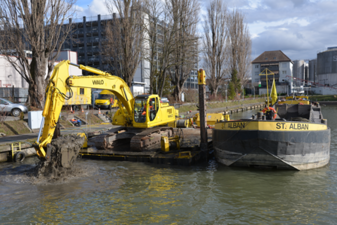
300	28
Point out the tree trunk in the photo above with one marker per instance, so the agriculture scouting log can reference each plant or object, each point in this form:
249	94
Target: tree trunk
37	85
216	92
32	94
160	91
177	93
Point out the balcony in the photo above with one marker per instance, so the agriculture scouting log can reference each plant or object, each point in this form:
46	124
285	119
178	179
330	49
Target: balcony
79	31
80	51
94	31
81	58
93	59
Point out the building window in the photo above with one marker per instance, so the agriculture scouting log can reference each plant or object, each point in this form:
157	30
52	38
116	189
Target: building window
256	73
256	66
284	72
257	80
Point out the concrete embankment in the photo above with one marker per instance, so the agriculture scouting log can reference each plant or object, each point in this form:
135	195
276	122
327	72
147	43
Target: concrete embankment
230	109
328	102
245	108
8	151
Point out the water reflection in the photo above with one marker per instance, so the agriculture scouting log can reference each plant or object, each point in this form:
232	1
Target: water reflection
139	193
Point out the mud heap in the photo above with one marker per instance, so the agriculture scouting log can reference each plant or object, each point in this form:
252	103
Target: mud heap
62	153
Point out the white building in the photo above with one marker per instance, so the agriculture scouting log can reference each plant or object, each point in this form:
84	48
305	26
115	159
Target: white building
277	62
9	77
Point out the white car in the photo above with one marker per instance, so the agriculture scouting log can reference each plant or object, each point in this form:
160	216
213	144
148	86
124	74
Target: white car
12	108
164	100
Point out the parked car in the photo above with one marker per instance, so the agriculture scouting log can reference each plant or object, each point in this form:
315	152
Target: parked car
164	100
12	108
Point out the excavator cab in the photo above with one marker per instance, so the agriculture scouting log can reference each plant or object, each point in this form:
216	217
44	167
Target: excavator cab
146	108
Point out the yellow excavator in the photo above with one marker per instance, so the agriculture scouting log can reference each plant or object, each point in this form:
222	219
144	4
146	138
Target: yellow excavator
142	120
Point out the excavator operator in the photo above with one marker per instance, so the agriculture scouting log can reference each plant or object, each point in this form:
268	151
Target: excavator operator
151	107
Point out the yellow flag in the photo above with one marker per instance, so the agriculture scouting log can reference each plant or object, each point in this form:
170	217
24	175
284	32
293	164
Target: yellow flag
273	94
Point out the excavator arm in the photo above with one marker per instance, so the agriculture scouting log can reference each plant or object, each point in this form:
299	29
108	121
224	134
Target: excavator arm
56	93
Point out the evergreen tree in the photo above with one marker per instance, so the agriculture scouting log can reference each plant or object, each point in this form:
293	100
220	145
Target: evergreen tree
235	82
231	91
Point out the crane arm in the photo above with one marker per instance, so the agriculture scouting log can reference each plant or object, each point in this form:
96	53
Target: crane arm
60	83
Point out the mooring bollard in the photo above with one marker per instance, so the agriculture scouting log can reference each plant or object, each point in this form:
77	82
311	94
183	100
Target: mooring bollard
202	113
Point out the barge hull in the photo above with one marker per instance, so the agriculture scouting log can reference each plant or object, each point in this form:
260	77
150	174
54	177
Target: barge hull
298	150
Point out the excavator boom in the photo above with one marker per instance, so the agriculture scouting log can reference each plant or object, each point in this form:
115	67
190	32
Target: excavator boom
60	83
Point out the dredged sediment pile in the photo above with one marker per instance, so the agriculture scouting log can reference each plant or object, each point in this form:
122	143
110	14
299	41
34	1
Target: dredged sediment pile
63	152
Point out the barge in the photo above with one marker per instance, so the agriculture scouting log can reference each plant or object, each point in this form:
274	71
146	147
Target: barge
296	137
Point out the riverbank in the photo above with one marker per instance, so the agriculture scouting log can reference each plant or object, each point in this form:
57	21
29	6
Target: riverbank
219	105
229	109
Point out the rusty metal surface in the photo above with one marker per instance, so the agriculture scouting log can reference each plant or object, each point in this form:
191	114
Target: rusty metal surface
131	139
150	139
190	137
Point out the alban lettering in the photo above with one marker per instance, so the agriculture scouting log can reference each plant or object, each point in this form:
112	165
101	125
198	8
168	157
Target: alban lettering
237	125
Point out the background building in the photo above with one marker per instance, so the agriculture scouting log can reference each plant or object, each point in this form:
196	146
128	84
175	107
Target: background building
313	70
12	85
87	39
277	62
327	72
300	72
9	77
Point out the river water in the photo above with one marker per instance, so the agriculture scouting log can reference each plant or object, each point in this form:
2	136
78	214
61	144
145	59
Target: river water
138	193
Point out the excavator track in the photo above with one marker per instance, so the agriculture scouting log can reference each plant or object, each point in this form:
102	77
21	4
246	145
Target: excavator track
149	139
138	140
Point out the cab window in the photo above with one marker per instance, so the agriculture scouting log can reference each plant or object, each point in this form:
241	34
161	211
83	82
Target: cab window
154	106
81	91
140	110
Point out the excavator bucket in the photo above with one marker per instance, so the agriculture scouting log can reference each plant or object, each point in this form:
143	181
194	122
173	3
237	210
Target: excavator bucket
61	154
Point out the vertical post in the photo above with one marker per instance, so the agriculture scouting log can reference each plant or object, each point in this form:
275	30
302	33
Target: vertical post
267	91
86	119
202	112
226	91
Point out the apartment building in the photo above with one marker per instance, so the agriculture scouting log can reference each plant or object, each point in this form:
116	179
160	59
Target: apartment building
277	62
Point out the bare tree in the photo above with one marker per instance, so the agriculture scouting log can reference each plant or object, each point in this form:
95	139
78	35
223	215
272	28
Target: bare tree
184	15
160	44
214	44
165	49
239	45
38	26
125	37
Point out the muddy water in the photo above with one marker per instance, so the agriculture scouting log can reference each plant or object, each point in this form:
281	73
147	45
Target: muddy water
137	193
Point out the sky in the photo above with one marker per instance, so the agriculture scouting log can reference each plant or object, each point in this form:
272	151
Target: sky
299	28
